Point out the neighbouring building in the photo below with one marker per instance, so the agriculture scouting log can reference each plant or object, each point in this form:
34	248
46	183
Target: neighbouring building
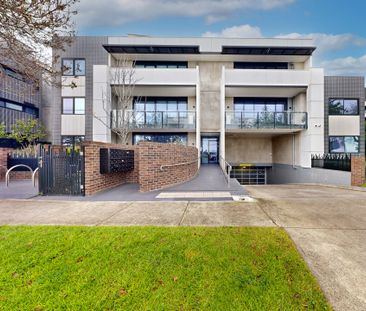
253	102
20	99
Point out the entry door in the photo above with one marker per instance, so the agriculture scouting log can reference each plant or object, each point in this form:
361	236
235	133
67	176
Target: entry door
210	153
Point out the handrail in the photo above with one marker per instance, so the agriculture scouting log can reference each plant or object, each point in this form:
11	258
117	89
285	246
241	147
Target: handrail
228	172
178	164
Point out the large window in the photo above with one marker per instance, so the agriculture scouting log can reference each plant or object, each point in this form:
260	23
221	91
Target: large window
260	65
73	67
162	104
70	141
159	64
339	106
247	104
73	105
24	107
161	138
344	144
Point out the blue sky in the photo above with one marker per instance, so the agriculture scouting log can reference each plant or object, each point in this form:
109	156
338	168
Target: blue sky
336	25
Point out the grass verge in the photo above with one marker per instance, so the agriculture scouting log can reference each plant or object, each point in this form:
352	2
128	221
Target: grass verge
153	268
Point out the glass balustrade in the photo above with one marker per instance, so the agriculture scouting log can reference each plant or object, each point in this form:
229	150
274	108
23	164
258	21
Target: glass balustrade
263	120
154	119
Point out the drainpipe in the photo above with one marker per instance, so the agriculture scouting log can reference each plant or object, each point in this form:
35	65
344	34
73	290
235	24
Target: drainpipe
222	118
293	150
198	114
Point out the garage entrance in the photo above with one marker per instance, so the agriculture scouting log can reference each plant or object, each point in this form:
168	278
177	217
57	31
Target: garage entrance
249	175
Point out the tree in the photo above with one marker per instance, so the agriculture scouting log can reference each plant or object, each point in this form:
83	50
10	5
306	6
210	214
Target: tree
29	29
27	132
3	133
117	100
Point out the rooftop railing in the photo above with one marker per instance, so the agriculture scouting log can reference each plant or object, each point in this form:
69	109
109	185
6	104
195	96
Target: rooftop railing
154	119
265	120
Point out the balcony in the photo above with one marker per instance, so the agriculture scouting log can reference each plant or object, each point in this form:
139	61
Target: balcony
146	120
244	120
164	76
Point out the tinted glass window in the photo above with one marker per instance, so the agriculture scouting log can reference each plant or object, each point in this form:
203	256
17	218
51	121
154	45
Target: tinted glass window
344	144
14	106
161	138
343	107
350	106
79	106
67	67
260	65
80	67
67	106
351	144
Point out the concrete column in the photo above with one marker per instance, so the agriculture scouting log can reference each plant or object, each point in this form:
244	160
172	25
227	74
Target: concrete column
222	118
198	114
101	90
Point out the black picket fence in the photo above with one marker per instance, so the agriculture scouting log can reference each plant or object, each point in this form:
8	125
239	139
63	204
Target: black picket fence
61	172
336	161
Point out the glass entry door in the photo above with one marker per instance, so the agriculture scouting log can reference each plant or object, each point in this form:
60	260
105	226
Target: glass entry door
210	150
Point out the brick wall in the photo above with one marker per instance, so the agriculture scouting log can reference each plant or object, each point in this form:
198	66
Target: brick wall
94	181
3	167
358	170
149	157
153	155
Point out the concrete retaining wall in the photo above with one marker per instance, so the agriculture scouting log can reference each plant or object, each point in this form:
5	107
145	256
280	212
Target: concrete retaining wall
284	174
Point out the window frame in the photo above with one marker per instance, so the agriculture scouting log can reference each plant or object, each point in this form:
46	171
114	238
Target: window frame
183	135
332	99
343	137
73	106
73	67
143	100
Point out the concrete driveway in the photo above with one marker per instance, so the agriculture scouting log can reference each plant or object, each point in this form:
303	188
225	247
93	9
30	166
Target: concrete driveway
328	225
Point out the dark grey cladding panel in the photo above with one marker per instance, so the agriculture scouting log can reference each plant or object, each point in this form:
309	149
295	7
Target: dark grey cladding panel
345	87
90	48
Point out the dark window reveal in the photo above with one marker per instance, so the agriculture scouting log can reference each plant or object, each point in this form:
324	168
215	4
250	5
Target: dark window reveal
338	106
260	65
158	64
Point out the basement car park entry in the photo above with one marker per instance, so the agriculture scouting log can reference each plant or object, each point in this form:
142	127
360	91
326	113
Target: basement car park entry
249	175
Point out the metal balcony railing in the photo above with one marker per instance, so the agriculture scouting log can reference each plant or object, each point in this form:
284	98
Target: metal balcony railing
264	120
154	119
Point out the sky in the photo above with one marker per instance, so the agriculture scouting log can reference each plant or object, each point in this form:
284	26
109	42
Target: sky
336	26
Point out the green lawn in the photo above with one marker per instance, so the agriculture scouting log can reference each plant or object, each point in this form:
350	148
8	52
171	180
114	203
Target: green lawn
152	268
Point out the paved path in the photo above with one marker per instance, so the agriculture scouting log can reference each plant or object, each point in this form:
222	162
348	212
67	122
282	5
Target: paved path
328	226
210	179
18	189
184	213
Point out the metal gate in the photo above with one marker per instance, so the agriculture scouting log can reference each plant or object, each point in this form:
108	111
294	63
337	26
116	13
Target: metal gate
249	175
61	171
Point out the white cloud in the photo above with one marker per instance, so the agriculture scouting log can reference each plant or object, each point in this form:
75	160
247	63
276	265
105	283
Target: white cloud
242	31
324	43
118	12
346	66
328	42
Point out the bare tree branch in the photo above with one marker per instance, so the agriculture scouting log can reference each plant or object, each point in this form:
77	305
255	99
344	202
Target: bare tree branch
117	101
30	29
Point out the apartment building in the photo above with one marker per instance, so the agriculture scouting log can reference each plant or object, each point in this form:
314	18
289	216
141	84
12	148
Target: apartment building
20	99
250	102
